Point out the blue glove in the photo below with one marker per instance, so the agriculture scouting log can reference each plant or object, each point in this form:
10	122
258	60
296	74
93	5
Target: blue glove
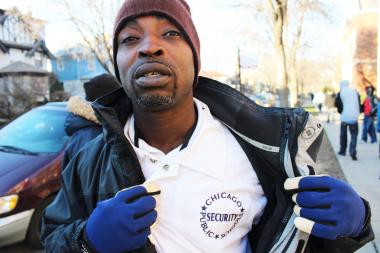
327	207
122	223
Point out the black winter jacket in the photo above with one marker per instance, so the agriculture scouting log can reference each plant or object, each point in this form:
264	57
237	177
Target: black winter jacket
280	143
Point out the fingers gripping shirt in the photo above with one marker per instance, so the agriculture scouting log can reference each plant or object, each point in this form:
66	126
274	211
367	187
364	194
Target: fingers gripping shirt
210	194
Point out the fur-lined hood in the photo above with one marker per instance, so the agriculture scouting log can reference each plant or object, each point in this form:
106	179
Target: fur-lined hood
81	107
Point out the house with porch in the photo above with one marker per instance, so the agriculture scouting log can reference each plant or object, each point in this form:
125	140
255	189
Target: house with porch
24	63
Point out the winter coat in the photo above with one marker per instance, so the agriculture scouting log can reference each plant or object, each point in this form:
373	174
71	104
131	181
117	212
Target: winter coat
348	104
279	142
370	106
81	126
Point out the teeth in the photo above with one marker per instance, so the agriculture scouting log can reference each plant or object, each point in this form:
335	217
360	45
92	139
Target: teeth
152	74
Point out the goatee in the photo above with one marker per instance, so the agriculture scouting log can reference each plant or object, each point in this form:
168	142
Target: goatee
154	101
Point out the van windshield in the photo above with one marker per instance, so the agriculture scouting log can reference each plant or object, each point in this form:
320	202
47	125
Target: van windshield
37	131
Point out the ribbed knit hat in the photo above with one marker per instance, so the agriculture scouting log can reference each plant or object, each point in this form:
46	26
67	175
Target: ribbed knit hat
177	11
99	86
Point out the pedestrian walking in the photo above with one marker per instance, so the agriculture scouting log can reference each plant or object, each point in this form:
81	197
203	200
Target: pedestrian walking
188	164
348	105
319	100
370	110
81	124
330	106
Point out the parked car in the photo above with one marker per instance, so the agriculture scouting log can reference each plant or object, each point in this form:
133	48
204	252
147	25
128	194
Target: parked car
31	149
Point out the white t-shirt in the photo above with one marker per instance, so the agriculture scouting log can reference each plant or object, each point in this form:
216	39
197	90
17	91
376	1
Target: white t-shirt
210	194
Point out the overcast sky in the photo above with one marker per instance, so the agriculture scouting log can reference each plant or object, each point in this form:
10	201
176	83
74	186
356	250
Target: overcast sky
215	21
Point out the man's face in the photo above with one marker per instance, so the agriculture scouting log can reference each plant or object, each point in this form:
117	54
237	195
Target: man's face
155	63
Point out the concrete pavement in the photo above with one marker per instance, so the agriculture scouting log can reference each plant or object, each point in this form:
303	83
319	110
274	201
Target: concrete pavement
363	175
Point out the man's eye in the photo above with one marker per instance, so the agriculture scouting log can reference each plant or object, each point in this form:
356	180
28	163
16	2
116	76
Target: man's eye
129	39
172	33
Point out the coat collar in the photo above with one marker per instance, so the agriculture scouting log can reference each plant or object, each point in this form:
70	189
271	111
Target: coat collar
262	127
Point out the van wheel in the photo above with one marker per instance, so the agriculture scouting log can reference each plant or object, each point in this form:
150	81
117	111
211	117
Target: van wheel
33	235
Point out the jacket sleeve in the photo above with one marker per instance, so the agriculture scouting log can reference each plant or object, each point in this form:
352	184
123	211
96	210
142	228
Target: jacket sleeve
66	156
374	107
78	140
64	220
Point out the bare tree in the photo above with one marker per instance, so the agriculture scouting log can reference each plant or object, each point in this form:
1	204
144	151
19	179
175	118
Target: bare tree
24	28
273	14
283	23
94	21
301	8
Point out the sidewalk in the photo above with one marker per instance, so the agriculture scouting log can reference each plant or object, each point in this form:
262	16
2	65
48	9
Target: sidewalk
363	175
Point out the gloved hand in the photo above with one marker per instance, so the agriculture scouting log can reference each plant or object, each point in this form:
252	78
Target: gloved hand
327	207
122	223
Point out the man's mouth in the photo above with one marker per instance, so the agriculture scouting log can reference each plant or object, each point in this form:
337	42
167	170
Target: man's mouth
151	75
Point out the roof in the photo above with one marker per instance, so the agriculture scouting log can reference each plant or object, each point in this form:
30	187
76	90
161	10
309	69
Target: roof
38	46
21	67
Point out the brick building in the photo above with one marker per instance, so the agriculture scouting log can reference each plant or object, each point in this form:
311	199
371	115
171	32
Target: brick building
359	56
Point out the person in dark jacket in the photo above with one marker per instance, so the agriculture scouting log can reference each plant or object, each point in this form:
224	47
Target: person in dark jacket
370	111
81	124
188	164
348	104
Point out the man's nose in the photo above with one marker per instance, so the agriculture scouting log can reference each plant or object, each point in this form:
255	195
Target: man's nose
150	47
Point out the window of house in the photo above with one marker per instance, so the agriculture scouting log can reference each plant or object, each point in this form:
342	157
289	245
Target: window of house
38	60
60	65
38	63
2	85
91	63
6	81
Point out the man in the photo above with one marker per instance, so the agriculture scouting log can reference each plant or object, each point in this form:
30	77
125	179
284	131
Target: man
218	161
319	100
81	124
330	105
370	111
348	105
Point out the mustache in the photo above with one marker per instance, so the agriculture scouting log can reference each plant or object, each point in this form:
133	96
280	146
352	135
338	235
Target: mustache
135	66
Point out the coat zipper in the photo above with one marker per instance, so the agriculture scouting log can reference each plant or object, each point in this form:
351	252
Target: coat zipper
289	210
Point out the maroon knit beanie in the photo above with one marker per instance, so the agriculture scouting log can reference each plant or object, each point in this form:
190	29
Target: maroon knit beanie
177	11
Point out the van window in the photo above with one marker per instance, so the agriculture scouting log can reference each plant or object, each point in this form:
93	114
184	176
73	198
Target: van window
39	131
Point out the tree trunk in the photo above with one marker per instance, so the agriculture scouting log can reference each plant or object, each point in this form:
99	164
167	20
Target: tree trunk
293	73
278	10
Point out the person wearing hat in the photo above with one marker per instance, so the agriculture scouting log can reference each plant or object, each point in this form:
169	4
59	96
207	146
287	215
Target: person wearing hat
81	124
226	172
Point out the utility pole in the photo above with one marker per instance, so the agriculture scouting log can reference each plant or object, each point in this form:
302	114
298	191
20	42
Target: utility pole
239	70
